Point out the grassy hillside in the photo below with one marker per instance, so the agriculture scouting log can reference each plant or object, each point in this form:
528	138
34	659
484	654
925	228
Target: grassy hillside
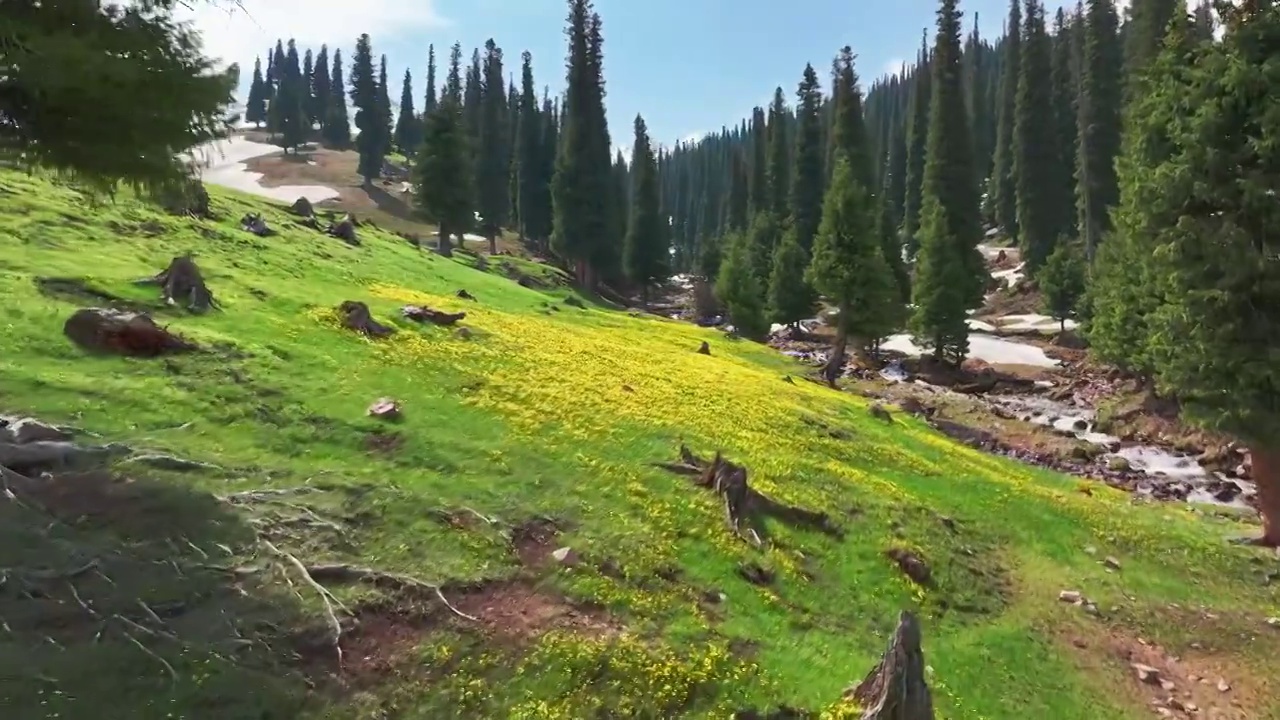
540	430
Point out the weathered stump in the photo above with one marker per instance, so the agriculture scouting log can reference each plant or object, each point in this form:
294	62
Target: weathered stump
345	230
704	348
256	224
895	689
356	316
183	282
426	314
302	208
123	333
464	295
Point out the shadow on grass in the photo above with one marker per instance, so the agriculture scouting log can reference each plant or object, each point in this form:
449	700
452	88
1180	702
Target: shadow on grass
122	598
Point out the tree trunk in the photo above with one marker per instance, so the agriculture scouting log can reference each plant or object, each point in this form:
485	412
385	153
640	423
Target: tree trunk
1266	474
493	241
644	296
835	363
445	247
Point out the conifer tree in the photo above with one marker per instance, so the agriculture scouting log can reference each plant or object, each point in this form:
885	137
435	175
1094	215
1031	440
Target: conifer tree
891	248
1004	182
320	87
1098	123
1144	34
950	272
255	110
453	80
337	125
806	174
646	255
764	235
429	99
494	168
364	96
528	152
308	102
473	88
917	151
547	154
442	173
739	290
385	127
1203	23
791	297
1065	90
275	108
1039	178
1061	281
407	128
736	207
779	157
758	190
288	111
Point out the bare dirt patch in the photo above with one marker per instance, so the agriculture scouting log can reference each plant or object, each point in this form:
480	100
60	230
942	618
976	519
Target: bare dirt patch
521	611
382	442
1196	684
534	541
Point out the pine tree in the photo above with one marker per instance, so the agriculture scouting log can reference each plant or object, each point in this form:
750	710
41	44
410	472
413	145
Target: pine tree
758	187
442	173
385	128
321	87
1195	299
528	152
429	99
917	151
739	290
891	248
308	101
736	208
1144	34
1037	172
473	88
407	128
1065	90
275	108
646	256
950	272
790	295
364	95
1098	123
288	111
1203	24
764	235
975	53
1004	183
543	215
453	80
1061	280
337	125
806	174
255	110
779	158
494	168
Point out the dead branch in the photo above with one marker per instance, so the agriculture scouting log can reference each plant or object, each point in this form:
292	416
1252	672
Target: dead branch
173	674
328	598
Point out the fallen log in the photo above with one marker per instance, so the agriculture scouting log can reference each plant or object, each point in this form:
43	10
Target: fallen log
356	316
123	333
895	689
426	314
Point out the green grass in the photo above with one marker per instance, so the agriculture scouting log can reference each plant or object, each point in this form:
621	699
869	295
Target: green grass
547	411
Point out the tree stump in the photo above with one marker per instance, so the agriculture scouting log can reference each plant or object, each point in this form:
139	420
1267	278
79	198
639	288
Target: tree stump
704	348
302	208
895	689
426	314
345	230
464	295
183	282
256	224
356	316
122	333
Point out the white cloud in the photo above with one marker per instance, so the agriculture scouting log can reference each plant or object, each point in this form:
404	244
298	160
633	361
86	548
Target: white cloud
890	68
240	32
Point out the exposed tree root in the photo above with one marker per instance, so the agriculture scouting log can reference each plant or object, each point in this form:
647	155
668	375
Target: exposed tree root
327	597
426	314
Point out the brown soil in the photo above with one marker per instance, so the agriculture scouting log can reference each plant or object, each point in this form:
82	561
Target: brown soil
1024	299
381	442
534	541
520	611
379	643
1197	684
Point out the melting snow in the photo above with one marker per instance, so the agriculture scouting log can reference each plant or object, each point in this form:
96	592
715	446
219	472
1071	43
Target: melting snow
1012	276
223	163
987	348
1032	323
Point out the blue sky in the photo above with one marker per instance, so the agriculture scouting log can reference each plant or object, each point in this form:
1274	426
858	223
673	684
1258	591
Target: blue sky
689	66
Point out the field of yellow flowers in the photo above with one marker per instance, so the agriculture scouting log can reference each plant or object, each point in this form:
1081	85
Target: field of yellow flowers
549	412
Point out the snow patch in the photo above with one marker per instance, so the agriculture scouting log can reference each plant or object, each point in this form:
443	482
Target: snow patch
1032	323
223	164
988	348
1012	276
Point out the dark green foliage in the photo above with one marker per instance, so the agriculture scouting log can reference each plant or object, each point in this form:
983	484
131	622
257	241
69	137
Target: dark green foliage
337	126
1061	280
288	112
779	157
791	299
494	154
1204	233
442	174
950	272
1039	177
429	97
739	290
453	80
1203	22
308	102
1065	90
848	264
1004	185
736	206
320	87
917	149
646	256
848	132
255	110
764	235
530	181
807	175
364	96
891	247
408	131
758	189
1144	32
386	132
1098	122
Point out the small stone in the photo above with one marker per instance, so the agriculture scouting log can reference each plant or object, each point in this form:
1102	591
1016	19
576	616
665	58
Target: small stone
1070	596
385	409
565	556
1167	685
1196	646
1190	707
462	333
1274	622
1223	685
1080	643
1147	674
1112	563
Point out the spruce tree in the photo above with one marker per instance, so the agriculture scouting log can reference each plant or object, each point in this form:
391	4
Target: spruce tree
764	235
737	206
385	127
1061	281
950	272
646	256
758	190
806	174
473	88
493	176
1065	90
364	96
337	125
528	152
1004	183
255	110
308	101
1144	34
453	79
790	295
276	108
407	128
288	111
1098	123
442	173
917	151
1196	239
779	157
606	261
891	248
1203	23
547	154
321	87
429	99
1037	171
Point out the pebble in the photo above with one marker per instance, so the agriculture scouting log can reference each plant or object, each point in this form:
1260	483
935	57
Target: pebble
1070	596
1112	563
565	556
1147	674
1274	622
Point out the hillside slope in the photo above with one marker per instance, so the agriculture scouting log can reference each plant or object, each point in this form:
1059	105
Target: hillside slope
165	594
